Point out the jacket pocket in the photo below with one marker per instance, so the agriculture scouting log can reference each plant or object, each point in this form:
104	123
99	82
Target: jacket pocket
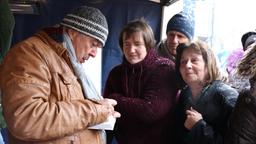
64	86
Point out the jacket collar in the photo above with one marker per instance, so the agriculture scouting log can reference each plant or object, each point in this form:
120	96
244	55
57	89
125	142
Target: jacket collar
53	36
147	61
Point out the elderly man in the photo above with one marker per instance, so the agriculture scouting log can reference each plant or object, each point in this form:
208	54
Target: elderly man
180	29
47	97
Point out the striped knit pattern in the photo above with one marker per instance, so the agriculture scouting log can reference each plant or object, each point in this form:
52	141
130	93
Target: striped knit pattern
89	21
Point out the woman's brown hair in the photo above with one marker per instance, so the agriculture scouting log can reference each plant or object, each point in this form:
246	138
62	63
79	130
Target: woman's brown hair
142	26
209	58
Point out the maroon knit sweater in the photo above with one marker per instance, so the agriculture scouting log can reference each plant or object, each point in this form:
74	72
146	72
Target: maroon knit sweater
145	93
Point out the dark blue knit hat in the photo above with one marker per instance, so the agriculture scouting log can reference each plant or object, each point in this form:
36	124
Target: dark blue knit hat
181	23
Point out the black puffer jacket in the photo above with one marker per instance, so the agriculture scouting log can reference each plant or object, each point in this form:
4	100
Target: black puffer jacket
242	126
215	104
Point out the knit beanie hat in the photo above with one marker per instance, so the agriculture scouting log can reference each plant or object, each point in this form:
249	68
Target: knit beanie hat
181	23
89	21
247	39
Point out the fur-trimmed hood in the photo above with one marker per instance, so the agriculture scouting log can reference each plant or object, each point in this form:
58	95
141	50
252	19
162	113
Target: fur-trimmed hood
247	65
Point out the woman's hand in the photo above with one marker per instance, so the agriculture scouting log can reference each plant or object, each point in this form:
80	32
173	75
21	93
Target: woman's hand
192	118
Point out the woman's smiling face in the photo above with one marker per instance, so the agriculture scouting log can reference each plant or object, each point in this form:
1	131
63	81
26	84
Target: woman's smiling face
134	47
192	67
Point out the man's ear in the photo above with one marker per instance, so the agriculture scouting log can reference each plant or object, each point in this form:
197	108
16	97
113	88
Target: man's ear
71	33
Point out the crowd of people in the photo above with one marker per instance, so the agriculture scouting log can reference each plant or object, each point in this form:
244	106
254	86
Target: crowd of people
172	92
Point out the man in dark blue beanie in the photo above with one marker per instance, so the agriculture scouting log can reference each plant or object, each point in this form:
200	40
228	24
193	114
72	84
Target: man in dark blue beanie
180	29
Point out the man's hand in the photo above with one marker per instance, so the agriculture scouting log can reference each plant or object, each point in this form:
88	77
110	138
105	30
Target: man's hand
110	103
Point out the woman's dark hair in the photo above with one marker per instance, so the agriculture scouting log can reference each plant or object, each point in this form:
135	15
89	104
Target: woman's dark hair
139	25
209	58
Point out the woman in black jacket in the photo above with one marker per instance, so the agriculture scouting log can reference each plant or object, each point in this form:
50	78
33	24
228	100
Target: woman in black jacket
205	101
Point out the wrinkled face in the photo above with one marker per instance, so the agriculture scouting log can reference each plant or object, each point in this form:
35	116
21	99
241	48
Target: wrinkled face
174	38
253	86
134	47
84	45
192	67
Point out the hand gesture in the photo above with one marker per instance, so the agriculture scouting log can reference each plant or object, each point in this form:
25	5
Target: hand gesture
192	118
110	103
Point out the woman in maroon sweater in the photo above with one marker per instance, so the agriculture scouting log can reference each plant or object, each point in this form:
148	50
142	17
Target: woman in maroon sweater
144	87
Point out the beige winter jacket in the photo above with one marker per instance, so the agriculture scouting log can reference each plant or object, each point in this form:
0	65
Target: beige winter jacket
42	99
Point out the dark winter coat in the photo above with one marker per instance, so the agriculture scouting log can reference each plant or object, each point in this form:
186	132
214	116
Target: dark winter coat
163	50
145	93
242	126
215	105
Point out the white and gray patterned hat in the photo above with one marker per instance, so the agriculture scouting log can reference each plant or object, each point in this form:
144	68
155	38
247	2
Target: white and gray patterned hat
89	21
